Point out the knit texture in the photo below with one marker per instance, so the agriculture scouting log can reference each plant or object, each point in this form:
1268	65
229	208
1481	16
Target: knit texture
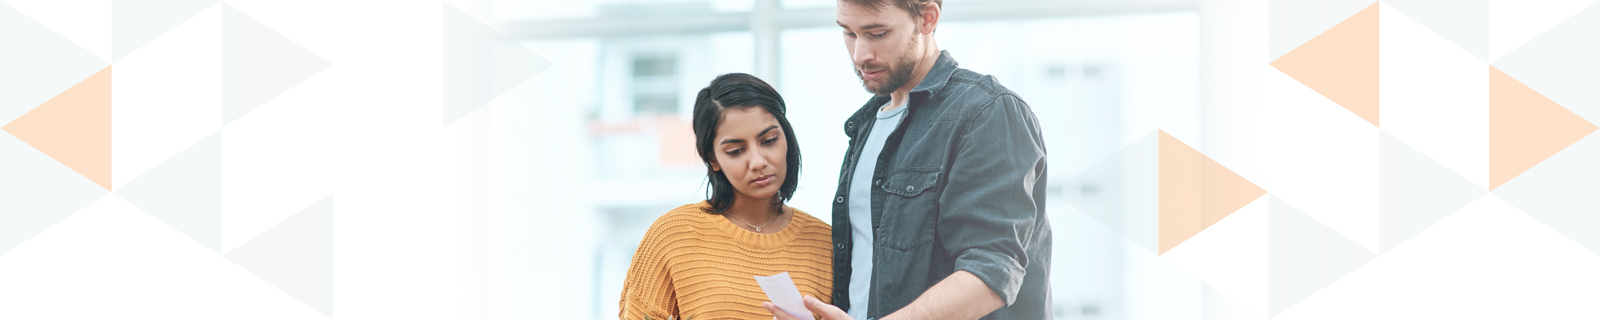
692	263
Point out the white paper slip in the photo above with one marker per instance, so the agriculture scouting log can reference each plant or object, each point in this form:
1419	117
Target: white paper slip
781	291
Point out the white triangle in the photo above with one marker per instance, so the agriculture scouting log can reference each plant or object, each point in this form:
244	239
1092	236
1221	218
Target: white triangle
1231	255
1310	152
112	261
86	23
1434	95
1513	23
166	95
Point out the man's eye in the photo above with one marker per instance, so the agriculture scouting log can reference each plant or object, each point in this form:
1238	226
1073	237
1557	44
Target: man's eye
880	35
850	34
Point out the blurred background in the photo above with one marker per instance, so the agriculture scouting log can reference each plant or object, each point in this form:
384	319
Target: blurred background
576	180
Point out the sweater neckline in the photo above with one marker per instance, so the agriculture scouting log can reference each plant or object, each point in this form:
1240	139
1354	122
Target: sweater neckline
776	239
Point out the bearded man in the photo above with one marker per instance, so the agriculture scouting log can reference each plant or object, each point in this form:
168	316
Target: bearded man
940	210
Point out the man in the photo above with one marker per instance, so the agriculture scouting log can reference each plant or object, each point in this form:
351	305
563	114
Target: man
940	208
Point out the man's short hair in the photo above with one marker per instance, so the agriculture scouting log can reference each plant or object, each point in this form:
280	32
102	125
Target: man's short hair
911	6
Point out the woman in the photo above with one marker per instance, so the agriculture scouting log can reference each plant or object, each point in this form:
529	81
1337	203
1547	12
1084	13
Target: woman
700	259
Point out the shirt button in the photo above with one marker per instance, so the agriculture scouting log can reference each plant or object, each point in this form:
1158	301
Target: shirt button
879	182
839	245
848	125
839	200
909	188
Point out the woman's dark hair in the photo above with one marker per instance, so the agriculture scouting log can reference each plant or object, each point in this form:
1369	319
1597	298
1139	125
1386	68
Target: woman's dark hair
738	91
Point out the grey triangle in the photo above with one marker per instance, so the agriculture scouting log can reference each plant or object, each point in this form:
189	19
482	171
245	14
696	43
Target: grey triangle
296	255
185	192
1464	22
135	23
36	64
1121	192
258	64
480	64
36	192
1304	256
1414	192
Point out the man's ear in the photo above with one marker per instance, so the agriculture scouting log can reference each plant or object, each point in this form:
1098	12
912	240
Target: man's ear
930	17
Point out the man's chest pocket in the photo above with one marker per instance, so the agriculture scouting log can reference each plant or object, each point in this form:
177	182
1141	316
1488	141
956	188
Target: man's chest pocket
911	210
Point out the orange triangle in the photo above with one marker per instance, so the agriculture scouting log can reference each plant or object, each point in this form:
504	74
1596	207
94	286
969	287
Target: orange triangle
1195	192
74	128
1341	64
1525	128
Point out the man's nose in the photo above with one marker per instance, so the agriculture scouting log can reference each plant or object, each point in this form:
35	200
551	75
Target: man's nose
863	53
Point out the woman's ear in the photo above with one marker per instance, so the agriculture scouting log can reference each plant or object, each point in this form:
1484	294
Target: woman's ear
715	166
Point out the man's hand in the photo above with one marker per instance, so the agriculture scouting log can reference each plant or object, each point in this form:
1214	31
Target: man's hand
824	310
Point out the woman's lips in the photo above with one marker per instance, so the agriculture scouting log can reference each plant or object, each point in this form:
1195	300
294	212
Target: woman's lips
764	181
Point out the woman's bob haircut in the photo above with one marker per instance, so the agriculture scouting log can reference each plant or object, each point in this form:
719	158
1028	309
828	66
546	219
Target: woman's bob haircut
738	91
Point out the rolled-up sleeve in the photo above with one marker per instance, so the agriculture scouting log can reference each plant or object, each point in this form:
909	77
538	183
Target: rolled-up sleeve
989	208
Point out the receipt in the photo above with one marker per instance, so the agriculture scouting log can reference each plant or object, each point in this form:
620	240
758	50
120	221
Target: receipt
781	291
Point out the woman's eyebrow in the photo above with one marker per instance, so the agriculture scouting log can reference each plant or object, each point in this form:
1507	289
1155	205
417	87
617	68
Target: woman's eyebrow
763	132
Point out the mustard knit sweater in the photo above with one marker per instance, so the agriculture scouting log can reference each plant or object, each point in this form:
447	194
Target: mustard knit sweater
692	263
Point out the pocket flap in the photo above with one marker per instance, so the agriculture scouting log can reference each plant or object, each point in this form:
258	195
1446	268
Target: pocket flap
911	181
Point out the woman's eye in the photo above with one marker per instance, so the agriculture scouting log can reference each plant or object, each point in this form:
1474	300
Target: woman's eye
734	152
770	141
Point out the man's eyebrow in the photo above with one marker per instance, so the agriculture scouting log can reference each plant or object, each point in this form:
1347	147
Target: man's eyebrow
867	27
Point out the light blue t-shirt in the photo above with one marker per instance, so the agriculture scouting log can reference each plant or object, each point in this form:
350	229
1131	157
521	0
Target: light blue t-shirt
861	210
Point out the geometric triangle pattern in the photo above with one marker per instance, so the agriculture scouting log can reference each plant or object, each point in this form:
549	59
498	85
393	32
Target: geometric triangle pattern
36	192
1304	256
1121	192
1414	192
1195	192
1549	62
296	255
1159	192
1525	128
37	64
258	64
185	192
1512	23
1560	192
1341	64
131	266
1293	22
74	128
135	23
1463	22
480	64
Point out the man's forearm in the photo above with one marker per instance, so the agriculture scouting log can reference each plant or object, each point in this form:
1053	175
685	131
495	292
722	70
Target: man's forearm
959	296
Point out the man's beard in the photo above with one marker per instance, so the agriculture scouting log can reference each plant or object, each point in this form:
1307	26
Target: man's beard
899	74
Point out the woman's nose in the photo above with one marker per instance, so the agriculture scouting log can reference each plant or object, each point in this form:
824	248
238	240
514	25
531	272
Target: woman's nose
758	160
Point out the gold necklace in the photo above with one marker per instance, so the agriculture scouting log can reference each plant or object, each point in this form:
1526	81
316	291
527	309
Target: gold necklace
758	228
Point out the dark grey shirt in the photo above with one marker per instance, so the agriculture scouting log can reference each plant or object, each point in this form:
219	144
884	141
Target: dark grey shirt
959	185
